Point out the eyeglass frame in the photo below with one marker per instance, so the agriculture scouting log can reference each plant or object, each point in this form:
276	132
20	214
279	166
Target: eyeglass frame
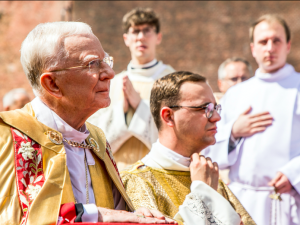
74	67
151	28
201	107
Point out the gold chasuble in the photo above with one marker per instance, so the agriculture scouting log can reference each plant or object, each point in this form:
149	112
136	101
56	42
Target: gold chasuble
166	190
131	134
56	188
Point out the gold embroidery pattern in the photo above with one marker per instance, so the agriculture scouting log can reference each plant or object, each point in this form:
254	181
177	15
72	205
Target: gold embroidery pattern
166	190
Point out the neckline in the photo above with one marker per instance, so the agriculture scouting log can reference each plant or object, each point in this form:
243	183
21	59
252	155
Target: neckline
280	74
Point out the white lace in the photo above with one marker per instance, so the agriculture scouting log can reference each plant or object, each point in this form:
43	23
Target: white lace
198	207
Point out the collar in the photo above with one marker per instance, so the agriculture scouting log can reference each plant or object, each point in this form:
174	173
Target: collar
48	117
280	74
146	66
166	158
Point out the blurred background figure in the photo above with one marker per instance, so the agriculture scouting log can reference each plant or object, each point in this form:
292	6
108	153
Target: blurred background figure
127	122
15	99
231	72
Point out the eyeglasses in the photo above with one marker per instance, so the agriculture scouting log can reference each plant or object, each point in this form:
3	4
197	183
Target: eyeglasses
235	79
94	65
209	108
147	31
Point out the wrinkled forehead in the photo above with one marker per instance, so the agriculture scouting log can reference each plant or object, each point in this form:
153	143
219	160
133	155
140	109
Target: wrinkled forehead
83	47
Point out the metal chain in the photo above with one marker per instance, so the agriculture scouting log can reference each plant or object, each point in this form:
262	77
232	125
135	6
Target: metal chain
79	145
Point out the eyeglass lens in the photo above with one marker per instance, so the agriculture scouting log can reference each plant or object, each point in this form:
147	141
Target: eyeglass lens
94	65
210	110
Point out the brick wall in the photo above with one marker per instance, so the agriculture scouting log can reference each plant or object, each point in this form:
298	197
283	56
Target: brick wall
197	35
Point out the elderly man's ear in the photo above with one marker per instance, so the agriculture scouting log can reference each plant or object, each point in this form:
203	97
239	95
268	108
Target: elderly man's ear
49	83
167	116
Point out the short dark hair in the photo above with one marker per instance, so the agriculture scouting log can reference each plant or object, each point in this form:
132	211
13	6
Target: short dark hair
165	91
140	16
270	18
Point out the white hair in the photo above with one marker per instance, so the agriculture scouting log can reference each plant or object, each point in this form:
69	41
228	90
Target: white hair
43	48
10	97
221	70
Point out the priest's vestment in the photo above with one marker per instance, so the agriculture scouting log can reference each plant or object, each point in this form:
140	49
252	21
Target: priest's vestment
41	156
131	135
161	181
255	160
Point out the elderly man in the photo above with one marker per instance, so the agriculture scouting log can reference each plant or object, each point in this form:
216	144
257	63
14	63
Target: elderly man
233	71
127	122
173	177
260	128
50	157
15	99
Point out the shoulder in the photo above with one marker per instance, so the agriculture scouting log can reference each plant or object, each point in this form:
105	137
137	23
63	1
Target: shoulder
167	70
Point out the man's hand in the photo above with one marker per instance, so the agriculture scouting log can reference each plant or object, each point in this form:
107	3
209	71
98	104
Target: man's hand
205	170
153	213
130	93
120	216
125	104
281	183
247	125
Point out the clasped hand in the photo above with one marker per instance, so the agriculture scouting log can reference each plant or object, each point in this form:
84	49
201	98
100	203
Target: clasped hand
131	96
203	169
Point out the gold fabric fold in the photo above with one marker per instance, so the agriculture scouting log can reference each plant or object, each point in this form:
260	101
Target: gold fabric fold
165	190
57	188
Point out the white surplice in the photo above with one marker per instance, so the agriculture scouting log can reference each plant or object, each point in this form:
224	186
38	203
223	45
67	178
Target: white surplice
256	159
203	202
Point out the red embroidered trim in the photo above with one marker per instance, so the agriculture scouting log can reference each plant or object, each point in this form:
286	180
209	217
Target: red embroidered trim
109	153
29	170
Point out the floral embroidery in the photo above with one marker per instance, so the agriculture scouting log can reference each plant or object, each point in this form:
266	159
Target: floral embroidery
29	170
33	190
26	150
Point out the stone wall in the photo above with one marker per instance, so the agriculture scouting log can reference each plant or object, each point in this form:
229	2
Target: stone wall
197	35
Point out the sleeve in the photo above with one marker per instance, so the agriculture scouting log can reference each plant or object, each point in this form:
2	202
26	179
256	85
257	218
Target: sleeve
292	171
206	206
142	124
140	192
112	121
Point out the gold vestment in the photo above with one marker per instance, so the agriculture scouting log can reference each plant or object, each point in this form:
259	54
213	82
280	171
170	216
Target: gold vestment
165	190
57	188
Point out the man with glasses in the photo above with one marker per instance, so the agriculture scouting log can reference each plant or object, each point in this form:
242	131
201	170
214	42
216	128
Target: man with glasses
233	71
127	123
264	156
173	178
50	157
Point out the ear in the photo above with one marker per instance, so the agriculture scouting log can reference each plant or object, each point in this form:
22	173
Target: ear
48	82
159	38
252	49
289	46
167	116
125	38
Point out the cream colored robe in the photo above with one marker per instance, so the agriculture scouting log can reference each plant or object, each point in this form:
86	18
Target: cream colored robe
130	139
